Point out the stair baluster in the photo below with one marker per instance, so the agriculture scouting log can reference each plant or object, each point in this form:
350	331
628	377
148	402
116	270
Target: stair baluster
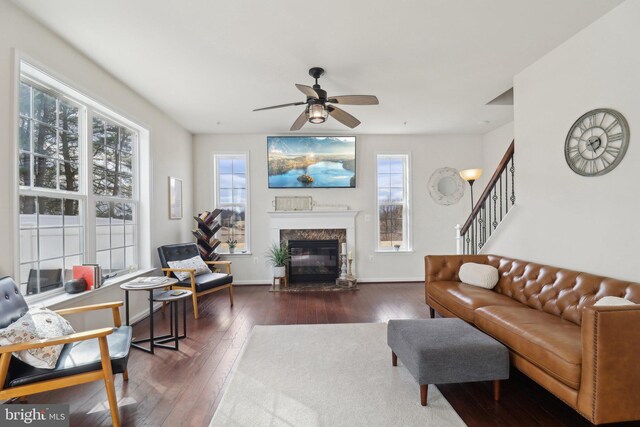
472	236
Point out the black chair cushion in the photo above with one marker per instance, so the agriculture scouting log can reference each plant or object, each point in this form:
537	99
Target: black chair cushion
12	304
208	281
177	252
76	358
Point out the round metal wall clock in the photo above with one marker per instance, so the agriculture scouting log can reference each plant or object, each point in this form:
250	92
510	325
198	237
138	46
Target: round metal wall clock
445	186
597	142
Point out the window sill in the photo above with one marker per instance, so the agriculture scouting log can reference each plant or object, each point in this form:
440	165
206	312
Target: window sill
394	252
235	254
59	297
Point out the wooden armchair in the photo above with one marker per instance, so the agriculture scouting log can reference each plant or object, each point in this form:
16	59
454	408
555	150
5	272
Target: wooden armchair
86	356
201	284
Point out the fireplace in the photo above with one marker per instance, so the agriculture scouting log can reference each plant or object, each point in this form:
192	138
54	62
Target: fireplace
313	260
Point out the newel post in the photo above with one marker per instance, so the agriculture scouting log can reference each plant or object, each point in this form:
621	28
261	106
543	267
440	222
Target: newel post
459	241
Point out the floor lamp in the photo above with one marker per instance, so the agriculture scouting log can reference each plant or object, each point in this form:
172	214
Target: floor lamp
470	175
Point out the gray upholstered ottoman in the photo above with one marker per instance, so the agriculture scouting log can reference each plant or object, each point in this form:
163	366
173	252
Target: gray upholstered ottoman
440	351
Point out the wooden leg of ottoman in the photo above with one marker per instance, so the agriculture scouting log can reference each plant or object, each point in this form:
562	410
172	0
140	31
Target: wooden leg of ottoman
432	313
423	394
496	390
394	359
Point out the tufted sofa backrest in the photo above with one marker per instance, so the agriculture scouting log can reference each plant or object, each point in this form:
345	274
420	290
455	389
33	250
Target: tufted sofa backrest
557	291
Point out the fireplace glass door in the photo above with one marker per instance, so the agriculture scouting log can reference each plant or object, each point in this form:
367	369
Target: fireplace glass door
313	260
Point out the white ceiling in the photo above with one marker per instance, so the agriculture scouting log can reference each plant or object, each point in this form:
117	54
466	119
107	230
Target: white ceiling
433	64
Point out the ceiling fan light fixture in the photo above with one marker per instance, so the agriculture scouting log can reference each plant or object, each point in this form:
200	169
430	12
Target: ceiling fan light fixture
317	113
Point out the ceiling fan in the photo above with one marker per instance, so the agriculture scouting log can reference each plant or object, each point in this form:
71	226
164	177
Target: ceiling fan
319	105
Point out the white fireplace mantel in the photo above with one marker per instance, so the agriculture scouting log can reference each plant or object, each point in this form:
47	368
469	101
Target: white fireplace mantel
310	220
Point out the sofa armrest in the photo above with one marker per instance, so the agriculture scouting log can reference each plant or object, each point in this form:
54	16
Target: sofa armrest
610	370
438	268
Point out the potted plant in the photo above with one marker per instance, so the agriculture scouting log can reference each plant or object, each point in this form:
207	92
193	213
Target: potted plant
278	256
232	245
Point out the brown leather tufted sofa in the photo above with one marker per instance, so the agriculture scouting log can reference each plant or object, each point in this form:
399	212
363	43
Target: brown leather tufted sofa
587	356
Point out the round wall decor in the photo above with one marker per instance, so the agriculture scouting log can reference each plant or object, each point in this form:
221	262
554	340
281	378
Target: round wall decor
597	142
445	186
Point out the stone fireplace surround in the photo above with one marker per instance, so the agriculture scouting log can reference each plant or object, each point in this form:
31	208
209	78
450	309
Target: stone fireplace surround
339	234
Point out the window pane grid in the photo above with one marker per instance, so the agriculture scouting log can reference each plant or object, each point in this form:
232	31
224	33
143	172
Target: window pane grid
46	219
232	195
113	148
113	222
392	172
48	141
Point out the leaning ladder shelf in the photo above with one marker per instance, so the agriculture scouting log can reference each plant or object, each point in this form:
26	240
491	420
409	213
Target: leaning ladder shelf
207	227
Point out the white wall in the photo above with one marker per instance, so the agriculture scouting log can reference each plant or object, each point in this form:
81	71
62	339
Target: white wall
563	219
494	145
433	225
170	143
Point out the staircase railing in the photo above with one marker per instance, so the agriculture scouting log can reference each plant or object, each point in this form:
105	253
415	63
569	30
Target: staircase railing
492	206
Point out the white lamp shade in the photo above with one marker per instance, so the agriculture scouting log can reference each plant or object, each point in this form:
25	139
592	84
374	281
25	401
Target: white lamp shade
470	174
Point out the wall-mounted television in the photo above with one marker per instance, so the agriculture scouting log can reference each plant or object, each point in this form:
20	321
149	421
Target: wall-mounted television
311	161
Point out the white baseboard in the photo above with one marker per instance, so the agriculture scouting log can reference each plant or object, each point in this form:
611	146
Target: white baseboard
360	280
143	314
389	279
252	282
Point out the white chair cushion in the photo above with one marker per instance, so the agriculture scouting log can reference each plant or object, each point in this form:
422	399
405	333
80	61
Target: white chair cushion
196	263
482	275
609	301
36	324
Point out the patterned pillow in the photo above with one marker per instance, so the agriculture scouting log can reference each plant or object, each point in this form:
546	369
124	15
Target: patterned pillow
37	324
196	263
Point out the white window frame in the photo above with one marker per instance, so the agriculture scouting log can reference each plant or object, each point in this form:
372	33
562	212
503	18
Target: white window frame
29	70
407	220
93	198
216	194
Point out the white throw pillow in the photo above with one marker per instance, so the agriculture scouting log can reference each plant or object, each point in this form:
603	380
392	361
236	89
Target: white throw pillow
196	263
612	301
482	275
37	324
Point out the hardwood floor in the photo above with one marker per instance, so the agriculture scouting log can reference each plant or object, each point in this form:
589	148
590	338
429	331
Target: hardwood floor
184	388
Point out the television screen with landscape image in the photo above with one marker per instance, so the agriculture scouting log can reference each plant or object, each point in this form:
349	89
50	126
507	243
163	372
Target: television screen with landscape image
312	161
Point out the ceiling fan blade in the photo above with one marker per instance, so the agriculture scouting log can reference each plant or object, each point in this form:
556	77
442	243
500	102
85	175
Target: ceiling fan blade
354	100
308	90
300	121
280	106
342	116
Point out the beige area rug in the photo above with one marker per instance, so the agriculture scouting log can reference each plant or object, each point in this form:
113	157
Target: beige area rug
326	375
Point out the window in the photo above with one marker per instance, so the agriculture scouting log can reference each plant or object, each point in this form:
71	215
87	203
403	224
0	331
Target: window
76	174
51	241
231	175
393	202
48	140
112	177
